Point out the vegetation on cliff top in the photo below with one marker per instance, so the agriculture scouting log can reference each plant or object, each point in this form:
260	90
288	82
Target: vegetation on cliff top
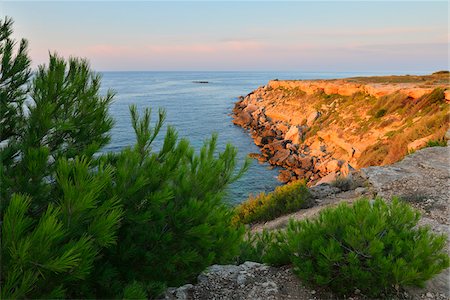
264	207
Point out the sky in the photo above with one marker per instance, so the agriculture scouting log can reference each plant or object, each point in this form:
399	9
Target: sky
252	36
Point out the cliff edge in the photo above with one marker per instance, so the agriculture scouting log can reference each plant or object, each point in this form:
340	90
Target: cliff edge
321	129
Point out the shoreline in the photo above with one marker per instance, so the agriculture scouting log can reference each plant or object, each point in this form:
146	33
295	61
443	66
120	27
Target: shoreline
320	130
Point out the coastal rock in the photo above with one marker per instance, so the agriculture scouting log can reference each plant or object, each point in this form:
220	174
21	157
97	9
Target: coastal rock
280	156
312	117
328	179
421	178
285	114
285	176
294	135
419	143
333	165
243	119
250	108
305	162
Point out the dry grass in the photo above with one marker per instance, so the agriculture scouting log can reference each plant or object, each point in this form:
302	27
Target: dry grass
437	78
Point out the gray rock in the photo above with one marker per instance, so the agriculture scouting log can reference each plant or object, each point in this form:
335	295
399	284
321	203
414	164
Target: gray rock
360	191
247	281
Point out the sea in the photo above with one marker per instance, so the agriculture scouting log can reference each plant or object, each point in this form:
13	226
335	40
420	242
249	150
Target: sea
197	110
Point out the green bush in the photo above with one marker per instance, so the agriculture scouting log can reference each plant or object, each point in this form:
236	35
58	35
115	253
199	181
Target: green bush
370	245
264	247
264	207
437	143
380	113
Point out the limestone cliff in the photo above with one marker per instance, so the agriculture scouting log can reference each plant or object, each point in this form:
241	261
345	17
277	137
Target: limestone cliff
320	129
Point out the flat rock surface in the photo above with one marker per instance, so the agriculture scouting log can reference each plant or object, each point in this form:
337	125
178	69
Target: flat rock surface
422	179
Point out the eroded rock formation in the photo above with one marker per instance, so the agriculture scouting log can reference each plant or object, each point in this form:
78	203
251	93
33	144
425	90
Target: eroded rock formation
318	130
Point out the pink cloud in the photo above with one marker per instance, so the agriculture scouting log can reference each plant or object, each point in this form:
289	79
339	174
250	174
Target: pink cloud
170	49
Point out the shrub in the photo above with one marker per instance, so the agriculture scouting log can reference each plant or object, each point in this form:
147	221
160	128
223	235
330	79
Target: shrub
371	245
380	113
264	247
264	207
437	143
344	183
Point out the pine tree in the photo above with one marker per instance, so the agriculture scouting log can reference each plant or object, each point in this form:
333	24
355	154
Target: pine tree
175	223
55	213
114	225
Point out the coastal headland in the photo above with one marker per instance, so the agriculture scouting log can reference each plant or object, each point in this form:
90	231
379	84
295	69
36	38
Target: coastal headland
319	130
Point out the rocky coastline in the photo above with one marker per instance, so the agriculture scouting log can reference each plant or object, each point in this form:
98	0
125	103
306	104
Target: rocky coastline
290	122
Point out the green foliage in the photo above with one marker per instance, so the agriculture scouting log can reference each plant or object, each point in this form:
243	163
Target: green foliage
175	222
44	255
380	113
173	201
113	225
371	245
66	118
437	143
264	207
135	290
14	74
55	214
264	247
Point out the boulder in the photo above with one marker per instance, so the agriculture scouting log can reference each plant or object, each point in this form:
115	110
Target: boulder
243	119
333	165
305	162
251	108
280	156
312	117
346	169
291	161
328	179
293	134
281	127
285	176
276	146
248	281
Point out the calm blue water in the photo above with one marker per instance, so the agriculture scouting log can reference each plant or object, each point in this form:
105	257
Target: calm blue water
197	110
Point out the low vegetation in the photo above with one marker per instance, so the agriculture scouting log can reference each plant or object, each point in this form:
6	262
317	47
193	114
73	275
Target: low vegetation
370	245
285	199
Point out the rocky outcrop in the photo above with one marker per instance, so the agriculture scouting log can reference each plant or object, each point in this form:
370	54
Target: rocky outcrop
322	129
249	281
422	179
